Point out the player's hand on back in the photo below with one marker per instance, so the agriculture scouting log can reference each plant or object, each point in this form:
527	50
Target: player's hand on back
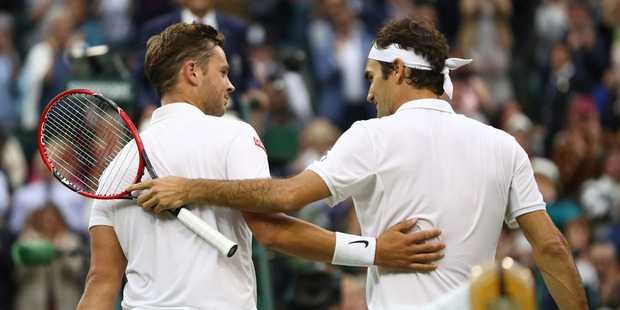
162	194
398	250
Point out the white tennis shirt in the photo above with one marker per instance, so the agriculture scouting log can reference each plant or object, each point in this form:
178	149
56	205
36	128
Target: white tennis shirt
170	267
451	172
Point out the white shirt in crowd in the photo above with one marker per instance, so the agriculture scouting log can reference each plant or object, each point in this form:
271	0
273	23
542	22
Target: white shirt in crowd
451	172
36	194
170	267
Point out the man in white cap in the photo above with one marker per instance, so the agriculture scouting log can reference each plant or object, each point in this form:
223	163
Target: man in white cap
416	159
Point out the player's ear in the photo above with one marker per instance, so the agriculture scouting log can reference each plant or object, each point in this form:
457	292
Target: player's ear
399	69
191	71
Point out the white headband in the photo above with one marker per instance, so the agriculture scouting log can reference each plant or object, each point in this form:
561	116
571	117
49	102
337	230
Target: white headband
413	60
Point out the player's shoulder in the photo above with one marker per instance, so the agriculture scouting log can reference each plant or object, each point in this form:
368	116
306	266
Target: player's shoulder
232	124
497	133
492	134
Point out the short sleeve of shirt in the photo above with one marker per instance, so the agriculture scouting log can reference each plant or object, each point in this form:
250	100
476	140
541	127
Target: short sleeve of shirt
99	214
350	166
524	196
246	156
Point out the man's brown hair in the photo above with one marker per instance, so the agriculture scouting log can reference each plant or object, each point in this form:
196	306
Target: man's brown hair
167	51
417	35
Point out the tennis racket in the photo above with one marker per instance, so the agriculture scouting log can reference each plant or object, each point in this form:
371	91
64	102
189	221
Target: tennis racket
91	146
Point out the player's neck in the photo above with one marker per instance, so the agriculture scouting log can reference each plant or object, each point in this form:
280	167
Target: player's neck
410	93
175	96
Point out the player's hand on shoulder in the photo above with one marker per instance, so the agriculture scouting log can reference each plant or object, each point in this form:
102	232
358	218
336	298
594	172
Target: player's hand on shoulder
396	249
162	194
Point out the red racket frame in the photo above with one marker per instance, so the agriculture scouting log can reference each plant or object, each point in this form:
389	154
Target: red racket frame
124	116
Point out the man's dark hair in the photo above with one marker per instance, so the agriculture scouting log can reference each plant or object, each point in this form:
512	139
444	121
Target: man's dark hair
417	35
167	51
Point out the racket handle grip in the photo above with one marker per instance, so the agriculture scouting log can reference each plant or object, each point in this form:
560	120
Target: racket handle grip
214	237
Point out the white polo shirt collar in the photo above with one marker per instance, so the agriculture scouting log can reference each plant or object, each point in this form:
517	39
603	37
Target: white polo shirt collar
431	104
172	109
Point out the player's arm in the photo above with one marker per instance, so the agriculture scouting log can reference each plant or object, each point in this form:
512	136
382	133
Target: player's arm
107	267
554	259
256	195
394	248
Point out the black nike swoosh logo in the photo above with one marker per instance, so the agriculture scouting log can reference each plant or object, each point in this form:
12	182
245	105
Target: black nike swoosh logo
360	241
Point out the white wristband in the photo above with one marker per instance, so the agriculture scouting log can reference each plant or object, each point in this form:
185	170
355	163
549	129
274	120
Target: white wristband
352	250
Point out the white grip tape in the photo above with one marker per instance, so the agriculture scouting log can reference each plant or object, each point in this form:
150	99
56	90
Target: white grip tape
214	237
352	250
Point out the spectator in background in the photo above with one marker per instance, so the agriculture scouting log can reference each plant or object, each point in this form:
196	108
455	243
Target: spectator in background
117	25
262	54
296	89
41	190
88	28
530	136
5	186
397	9
578	234
560	82
611	18
600	198
145	10
201	11
590	50
353	292
280	135
606	95
55	284
578	148
12	159
338	45
36	12
6	239
547	177
9	66
316	139
550	26
485	35
45	71
604	258
280	74
289	110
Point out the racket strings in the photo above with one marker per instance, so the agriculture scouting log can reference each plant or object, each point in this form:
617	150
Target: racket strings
69	144
83	136
60	124
115	182
79	142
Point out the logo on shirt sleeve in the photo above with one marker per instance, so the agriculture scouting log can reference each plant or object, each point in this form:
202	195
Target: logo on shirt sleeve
258	143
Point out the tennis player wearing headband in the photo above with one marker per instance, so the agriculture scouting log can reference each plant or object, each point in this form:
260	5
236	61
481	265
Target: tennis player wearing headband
416	159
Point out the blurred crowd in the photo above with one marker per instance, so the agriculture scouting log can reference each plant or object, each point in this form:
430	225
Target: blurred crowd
545	71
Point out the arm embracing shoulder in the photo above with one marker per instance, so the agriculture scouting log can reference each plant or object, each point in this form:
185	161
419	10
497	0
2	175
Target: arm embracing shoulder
283	233
394	248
